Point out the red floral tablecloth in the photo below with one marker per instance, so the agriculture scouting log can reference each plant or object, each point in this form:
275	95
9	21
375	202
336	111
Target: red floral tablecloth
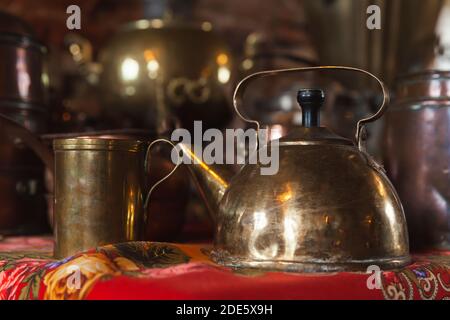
150	270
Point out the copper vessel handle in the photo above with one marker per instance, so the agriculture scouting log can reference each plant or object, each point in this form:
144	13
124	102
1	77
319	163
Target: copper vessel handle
147	161
242	86
30	139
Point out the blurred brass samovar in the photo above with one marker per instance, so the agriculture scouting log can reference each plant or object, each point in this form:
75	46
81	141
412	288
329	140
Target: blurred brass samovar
159	66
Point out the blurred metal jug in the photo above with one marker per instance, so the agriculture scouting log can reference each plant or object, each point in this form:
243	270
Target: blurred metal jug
417	155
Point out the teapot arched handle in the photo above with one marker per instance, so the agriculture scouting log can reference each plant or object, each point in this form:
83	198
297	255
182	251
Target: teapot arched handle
242	86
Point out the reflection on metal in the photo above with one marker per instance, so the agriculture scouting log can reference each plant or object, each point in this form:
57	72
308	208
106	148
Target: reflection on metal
286	195
23	76
206	26
129	69
152	67
292	229
260	225
222	59
223	74
213	175
439	53
152	64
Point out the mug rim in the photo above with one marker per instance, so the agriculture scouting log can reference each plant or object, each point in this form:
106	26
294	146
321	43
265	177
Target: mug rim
98	143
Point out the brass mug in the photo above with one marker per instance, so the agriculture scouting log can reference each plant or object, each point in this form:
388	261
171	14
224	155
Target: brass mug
99	192
99	187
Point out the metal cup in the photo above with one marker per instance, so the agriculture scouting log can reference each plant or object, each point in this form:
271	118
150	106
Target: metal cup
99	192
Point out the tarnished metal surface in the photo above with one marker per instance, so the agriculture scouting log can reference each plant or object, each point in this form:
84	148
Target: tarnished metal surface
325	210
98	193
417	155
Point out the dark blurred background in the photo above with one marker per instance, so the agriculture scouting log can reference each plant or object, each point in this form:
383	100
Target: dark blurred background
139	68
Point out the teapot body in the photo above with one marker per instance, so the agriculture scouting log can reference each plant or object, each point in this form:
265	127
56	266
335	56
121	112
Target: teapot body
327	209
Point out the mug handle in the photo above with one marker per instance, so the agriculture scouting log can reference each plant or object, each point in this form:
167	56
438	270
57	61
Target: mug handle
146	163
242	85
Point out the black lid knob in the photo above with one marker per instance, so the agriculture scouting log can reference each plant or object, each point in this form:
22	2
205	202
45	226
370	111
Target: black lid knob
311	100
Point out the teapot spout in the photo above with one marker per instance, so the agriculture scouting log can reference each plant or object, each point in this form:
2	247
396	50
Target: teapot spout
211	180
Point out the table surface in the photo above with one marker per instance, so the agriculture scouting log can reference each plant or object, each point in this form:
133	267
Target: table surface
152	270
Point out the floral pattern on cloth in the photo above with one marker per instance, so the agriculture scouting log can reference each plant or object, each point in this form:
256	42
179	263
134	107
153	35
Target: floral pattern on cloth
163	270
132	259
426	280
21	274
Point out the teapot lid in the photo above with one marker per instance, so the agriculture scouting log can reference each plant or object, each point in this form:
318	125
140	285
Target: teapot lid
310	101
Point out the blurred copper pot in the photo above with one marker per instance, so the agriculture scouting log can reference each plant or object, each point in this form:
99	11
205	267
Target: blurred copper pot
22	63
417	155
22	98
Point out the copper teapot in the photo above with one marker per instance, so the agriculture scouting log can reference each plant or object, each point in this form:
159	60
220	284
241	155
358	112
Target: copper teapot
330	206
